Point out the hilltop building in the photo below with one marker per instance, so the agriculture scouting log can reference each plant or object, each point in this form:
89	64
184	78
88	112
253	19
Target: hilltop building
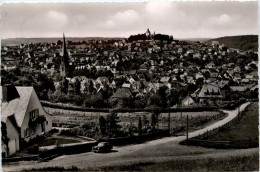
148	35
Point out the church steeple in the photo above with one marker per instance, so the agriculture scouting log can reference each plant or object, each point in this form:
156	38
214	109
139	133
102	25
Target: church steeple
64	48
64	67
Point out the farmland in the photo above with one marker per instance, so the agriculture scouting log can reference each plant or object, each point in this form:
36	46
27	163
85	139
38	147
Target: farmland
69	118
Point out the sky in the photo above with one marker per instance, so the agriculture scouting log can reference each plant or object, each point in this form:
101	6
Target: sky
122	19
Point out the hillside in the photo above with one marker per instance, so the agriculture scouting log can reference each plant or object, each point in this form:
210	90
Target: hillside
18	41
243	42
194	39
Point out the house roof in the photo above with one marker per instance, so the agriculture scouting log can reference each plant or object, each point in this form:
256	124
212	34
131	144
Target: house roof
210	91
17	106
254	88
122	93
132	72
165	79
238	88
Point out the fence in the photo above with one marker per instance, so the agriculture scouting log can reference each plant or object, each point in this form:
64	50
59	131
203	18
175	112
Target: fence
224	144
200	139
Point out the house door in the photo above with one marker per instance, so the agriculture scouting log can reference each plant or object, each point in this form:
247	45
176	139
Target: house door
43	126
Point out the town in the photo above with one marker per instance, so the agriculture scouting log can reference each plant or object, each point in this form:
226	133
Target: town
145	87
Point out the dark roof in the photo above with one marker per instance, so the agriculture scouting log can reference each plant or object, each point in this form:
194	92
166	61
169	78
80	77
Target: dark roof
238	88
122	93
9	93
210	91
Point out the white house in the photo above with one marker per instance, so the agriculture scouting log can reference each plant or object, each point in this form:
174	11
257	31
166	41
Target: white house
22	109
187	101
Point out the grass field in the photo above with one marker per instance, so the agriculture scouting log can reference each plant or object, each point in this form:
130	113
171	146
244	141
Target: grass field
249	163
232	163
246	129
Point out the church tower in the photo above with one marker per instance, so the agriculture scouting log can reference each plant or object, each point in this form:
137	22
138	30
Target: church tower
148	34
64	66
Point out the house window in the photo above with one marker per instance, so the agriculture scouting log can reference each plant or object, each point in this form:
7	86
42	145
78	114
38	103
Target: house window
34	114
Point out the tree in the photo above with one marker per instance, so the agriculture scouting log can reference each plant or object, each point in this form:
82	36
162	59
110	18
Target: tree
59	42
112	124
64	85
89	86
145	121
140	125
154	119
102	125
94	100
76	86
58	96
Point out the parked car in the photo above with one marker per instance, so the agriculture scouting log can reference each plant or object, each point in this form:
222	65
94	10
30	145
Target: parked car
102	147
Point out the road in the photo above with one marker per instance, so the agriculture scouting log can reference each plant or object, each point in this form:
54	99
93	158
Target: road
164	149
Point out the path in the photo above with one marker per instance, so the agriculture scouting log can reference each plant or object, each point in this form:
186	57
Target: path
164	149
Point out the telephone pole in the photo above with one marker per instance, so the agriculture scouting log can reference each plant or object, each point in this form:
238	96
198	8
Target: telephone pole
181	105
169	112
169	117
187	128
239	116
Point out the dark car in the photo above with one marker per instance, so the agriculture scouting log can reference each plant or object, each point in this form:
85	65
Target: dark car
102	147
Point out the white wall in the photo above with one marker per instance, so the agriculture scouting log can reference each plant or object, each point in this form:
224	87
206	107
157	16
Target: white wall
13	135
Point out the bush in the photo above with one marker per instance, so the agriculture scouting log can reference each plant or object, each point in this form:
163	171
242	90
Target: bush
67	133
33	150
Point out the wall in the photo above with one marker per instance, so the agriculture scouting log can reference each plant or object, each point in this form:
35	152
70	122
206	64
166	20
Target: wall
13	135
73	148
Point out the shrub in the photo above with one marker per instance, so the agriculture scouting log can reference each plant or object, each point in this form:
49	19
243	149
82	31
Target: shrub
33	150
67	133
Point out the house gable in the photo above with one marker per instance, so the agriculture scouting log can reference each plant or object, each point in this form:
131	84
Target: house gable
19	105
35	104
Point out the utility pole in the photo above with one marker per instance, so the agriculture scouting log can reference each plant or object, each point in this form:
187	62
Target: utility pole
181	105
238	112
187	128
169	117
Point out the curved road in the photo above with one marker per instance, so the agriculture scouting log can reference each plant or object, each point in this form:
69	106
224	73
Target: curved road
164	149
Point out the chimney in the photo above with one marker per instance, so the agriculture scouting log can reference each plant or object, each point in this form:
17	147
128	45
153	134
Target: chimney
9	93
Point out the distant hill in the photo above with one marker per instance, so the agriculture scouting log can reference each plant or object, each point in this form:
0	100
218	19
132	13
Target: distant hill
18	41
243	42
194	39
